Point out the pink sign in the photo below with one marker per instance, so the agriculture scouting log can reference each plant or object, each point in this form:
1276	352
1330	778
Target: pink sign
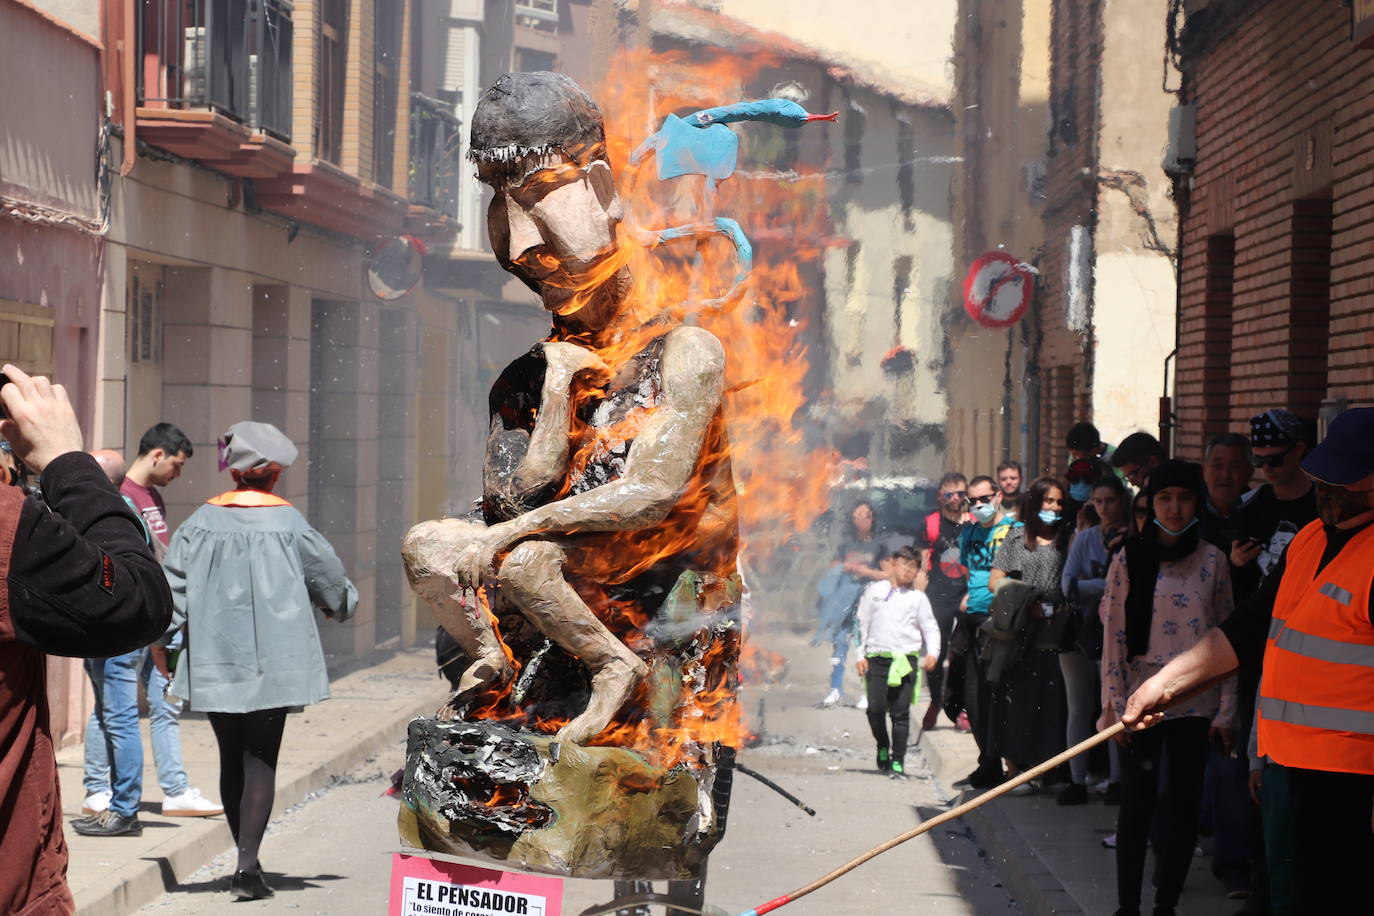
428	887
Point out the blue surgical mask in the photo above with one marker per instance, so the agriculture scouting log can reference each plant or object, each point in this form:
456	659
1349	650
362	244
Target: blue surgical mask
1081	492
984	512
1049	516
1171	532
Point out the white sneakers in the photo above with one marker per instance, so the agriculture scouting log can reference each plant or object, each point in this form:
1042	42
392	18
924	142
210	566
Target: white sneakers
862	705
94	804
190	804
832	698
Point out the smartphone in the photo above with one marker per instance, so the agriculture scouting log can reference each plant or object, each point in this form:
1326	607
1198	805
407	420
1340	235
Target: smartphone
4	380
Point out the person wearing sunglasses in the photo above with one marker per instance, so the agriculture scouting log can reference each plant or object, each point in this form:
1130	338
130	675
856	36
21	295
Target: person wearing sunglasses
1136	456
978	545
1311	628
947	576
1282	506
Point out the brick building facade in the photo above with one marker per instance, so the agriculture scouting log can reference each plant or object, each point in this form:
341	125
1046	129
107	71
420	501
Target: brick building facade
1277	285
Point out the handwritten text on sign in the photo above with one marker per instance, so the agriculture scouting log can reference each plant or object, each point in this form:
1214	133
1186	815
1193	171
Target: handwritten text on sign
426	887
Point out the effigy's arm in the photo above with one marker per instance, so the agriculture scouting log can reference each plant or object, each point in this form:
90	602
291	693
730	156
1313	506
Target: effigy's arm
520	465
659	465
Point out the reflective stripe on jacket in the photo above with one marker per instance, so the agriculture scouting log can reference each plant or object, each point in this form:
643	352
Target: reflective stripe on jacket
1316	708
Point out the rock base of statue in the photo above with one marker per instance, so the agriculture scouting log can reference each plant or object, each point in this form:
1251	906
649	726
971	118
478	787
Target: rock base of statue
521	799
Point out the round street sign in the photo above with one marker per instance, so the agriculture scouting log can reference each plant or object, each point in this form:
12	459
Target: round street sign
998	288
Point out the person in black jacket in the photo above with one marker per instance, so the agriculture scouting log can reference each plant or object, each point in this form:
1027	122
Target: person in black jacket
79	580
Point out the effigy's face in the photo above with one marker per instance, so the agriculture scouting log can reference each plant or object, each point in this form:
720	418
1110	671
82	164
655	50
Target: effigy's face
553	223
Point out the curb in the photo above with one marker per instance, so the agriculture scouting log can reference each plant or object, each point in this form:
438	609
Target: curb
1031	883
129	887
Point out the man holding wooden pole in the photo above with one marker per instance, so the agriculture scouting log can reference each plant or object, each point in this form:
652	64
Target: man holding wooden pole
1313	624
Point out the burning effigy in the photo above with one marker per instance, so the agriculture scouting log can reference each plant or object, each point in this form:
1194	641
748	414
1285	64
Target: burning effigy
595	594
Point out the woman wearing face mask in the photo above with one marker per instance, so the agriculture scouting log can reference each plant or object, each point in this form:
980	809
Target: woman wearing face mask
1165	590
1028	708
1083	581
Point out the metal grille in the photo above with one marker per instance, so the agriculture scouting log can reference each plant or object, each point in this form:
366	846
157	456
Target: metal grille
435	145
229	56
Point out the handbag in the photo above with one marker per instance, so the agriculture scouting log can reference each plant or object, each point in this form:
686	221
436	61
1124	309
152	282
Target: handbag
1059	626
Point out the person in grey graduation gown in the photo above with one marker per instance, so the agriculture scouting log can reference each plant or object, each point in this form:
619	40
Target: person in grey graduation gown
247	573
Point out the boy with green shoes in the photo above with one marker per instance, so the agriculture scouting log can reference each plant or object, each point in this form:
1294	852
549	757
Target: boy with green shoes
897	633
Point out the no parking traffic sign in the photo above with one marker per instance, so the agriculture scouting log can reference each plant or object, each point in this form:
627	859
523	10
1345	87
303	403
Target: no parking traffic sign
998	288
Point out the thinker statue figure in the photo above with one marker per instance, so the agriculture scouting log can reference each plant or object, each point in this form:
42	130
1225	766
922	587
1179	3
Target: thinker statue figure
607	471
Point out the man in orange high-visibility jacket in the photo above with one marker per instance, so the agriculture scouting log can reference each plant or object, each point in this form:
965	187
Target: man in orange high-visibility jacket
1313	623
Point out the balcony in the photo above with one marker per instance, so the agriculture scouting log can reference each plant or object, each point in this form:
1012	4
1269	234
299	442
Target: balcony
214	82
435	155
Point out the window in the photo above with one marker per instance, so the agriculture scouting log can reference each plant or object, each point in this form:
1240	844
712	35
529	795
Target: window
901	282
1309	305
537	14
386	81
1216	333
528	60
329	95
906	171
854	144
143	304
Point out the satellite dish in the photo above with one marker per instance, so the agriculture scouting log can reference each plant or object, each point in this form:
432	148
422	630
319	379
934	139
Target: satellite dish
395	267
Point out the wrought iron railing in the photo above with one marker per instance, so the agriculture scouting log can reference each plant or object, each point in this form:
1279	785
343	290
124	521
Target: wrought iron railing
229	56
435	154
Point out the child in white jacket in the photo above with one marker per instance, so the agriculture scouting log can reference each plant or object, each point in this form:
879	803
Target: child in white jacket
897	632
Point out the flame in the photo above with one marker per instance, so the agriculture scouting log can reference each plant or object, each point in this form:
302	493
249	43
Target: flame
777	484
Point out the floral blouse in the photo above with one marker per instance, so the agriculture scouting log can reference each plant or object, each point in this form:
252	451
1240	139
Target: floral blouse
1192	595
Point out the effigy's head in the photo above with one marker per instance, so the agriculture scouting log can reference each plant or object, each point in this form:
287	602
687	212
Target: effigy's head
539	142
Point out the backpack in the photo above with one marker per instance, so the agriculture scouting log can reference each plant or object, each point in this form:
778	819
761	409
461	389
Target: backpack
1006	629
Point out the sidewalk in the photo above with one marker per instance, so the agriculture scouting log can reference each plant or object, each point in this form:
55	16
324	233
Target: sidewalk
367	715
1051	857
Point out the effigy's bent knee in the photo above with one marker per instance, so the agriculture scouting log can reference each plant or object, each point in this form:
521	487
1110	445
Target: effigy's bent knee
431	548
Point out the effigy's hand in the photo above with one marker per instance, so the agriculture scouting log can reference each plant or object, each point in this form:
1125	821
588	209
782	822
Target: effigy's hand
566	360
476	562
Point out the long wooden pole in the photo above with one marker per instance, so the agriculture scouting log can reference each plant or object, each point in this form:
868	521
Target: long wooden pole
951	814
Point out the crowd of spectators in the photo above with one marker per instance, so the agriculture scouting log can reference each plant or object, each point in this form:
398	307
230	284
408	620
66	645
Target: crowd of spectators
1055	601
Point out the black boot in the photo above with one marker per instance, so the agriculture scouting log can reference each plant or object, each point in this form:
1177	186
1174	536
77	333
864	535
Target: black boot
249	885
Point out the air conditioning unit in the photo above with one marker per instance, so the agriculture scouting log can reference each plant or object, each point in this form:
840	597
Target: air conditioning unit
1181	152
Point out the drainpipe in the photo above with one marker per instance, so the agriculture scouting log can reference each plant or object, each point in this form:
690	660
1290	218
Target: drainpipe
130	96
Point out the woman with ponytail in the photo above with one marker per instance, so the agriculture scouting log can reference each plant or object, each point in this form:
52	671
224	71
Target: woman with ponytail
1165	590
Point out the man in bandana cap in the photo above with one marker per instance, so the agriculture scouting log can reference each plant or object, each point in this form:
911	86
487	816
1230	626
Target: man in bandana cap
1312	624
247	573
1279	441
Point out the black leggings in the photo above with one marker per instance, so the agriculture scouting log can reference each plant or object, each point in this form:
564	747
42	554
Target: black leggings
884	700
1141	758
944	618
248	746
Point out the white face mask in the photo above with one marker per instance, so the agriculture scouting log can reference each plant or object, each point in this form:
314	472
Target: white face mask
1171	532
984	512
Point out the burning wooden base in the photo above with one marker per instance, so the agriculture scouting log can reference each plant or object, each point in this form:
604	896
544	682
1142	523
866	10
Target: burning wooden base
520	798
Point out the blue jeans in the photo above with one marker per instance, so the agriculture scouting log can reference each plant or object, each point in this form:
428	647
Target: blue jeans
164	726
839	650
115	681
